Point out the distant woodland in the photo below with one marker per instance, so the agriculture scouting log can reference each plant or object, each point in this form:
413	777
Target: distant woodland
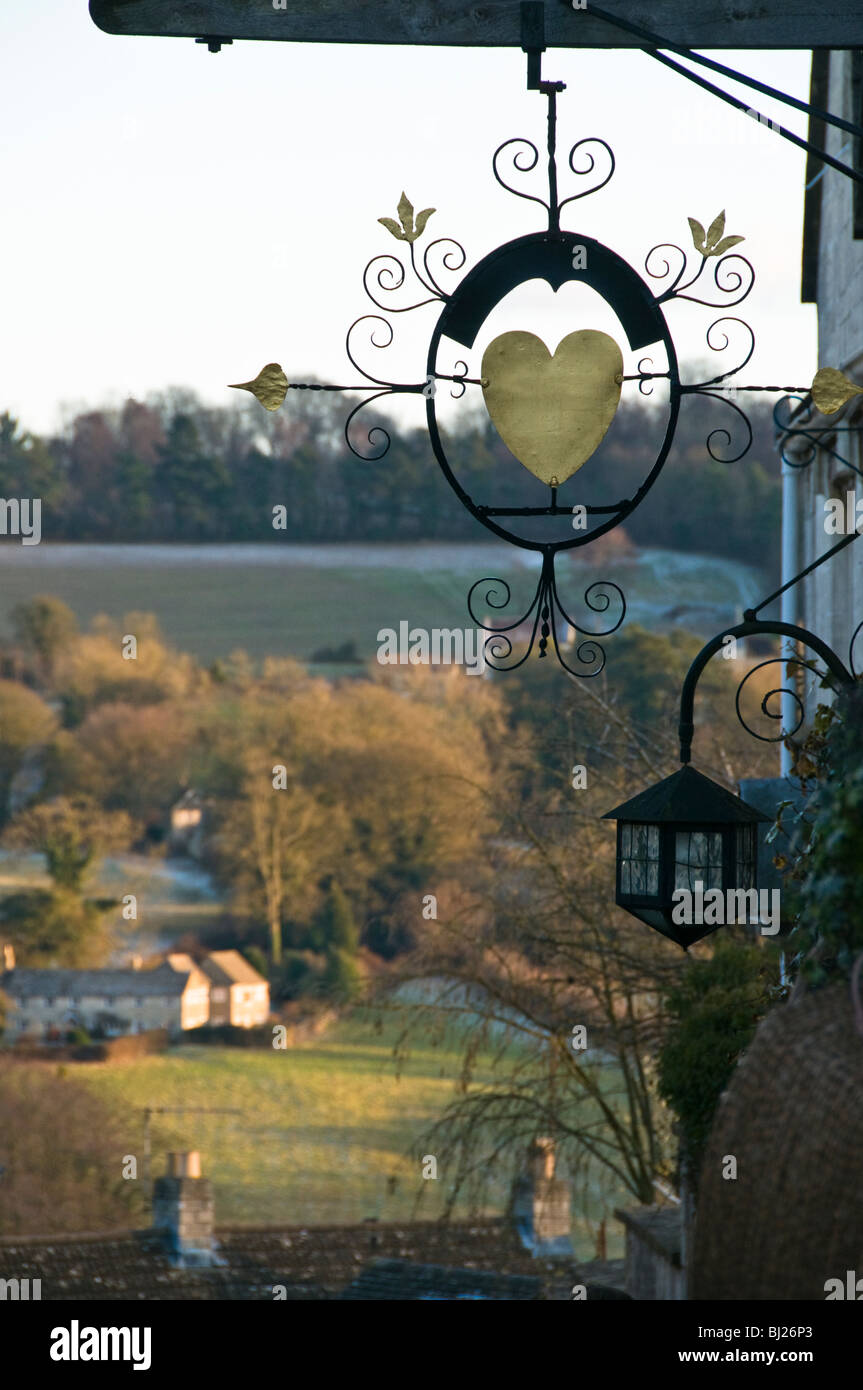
173	469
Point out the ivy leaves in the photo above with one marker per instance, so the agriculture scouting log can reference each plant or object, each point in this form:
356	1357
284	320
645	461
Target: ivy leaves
828	874
712	242
409	229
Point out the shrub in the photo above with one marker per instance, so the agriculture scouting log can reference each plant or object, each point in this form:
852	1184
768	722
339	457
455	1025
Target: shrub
341	980
228	1035
300	974
714	1012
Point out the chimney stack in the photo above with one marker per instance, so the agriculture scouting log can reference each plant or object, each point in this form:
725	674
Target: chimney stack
183	1209
541	1203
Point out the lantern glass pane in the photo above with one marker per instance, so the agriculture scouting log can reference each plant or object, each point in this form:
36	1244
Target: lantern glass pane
639	860
698	859
746	851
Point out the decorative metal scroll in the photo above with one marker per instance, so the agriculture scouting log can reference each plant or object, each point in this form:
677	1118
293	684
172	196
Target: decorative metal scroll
801	440
550	409
547	616
773	700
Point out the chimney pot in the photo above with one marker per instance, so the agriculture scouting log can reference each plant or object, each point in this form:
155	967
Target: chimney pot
184	1165
541	1203
183	1208
541	1156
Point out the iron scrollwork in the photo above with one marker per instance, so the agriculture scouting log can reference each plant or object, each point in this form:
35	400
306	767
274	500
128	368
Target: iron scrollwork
836	673
556	256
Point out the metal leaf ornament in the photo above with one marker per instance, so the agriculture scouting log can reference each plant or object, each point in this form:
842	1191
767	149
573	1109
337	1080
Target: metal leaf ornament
409	229
712	242
831	389
270	386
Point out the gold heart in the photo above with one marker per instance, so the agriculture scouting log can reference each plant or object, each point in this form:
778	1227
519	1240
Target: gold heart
552	411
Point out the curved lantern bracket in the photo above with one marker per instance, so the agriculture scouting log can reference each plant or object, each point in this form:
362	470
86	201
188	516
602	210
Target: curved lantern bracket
751	628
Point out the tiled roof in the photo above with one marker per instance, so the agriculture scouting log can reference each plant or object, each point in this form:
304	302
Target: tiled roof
74	984
327	1262
230	968
404	1280
179	960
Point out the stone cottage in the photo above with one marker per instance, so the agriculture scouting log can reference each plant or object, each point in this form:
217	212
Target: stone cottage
238	994
42	1003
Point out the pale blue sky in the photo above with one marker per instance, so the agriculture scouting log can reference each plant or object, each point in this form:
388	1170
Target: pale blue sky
174	217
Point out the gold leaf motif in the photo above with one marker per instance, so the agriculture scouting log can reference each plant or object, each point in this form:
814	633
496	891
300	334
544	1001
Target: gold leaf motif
711	242
422	219
408	231
831	389
716	228
552	411
270	386
392	226
406	215
726	245
699	236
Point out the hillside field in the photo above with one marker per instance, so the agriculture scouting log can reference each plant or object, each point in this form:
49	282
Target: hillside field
327	1131
212	600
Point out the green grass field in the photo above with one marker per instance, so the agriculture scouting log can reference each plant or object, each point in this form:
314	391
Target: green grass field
210	609
211	601
324	1127
328	1132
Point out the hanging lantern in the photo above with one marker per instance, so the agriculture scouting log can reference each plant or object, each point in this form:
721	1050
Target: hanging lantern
686	857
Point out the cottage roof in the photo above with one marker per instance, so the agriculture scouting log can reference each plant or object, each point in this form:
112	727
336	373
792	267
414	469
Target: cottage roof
181	961
434	1259
404	1279
162	982
230	968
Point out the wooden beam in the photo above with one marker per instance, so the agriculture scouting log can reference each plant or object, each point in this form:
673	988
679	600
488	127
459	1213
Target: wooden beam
496	24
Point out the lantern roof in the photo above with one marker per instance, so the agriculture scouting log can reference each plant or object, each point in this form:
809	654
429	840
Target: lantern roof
686	796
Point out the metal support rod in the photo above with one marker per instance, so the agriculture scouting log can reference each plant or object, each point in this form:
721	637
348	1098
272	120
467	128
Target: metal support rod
756	115
550	89
722	68
656	41
828	554
686	727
